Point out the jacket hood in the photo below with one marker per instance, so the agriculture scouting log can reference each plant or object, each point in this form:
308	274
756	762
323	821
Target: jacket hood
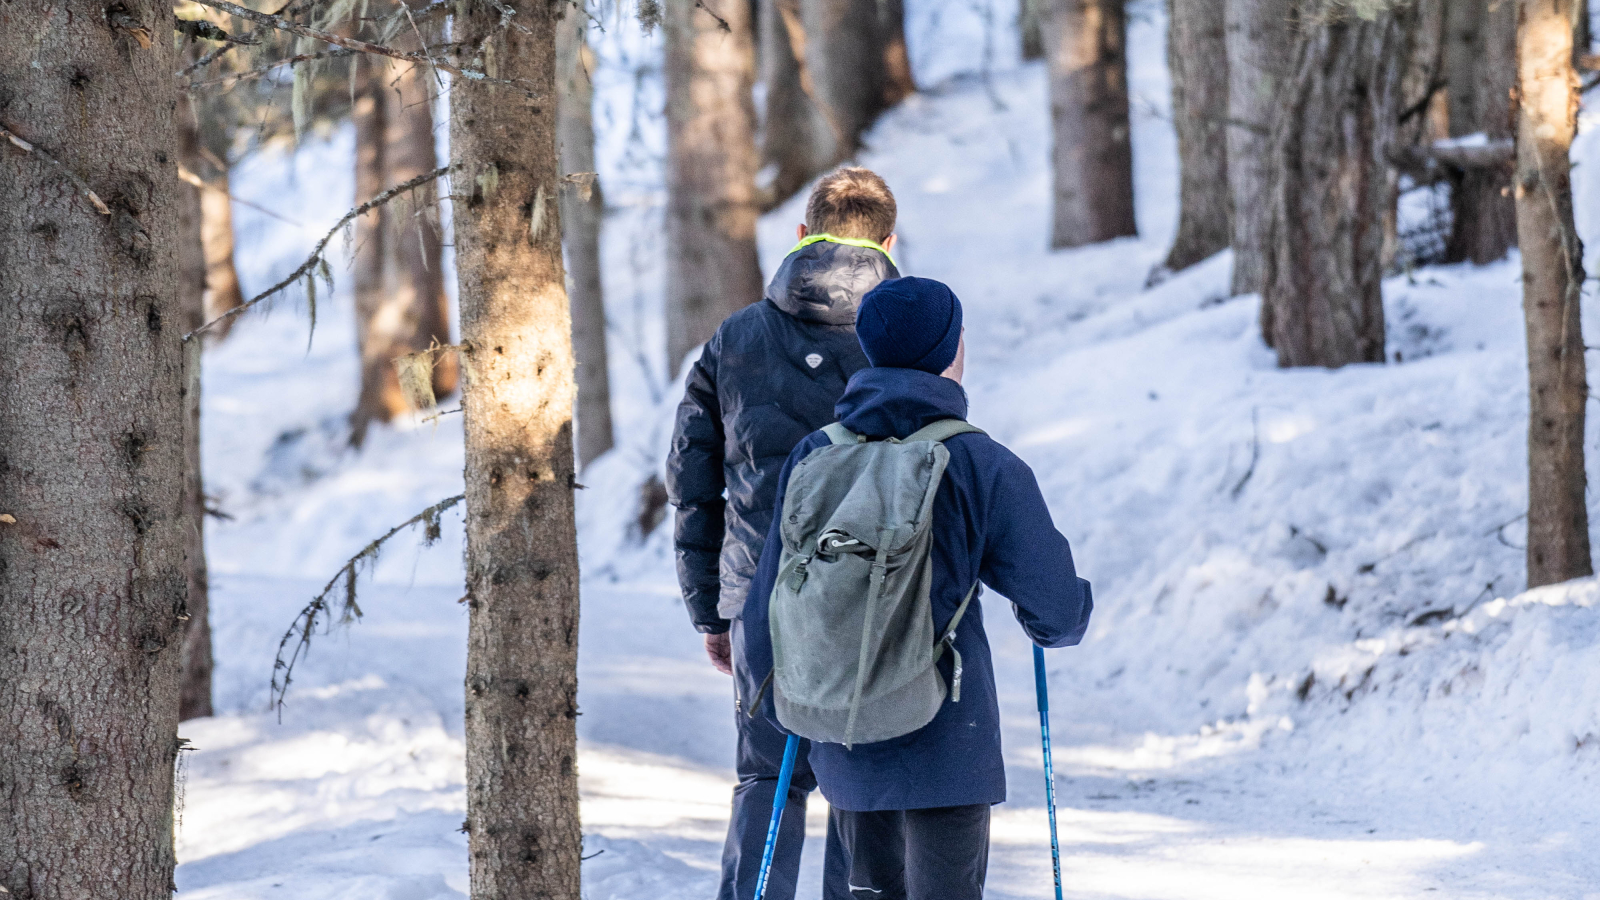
824	281
884	402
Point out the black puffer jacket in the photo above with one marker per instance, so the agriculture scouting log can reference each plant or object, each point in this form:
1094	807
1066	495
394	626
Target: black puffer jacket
769	376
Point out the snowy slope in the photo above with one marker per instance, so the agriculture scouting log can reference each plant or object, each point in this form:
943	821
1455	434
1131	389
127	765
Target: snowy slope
1313	670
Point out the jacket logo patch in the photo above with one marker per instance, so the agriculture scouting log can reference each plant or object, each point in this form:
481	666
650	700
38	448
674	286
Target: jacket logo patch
813	359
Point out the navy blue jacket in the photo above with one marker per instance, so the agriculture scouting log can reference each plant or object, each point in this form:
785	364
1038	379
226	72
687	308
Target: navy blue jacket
990	522
768	377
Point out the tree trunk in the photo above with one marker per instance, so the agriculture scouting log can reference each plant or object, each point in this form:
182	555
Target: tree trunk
210	163
1322	289
844	49
831	68
1197	55
1260	36
417	274
795	138
712	269
1030	18
1092	156
195	666
1552	289
898	83
522	555
377	321
92	574
582	211
1480	75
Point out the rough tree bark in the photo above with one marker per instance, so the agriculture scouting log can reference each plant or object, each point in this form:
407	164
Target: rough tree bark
712	206
1260	35
1552	290
1092	153
582	211
1480	75
522	556
195	665
1197	56
92	574
1322	299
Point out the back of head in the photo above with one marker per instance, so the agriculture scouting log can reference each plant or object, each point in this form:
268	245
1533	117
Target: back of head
851	202
910	323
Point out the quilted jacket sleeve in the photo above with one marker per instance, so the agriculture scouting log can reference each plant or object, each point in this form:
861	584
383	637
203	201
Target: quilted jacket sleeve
695	485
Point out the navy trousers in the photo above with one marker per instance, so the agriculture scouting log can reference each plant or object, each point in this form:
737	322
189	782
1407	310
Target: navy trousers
758	761
915	854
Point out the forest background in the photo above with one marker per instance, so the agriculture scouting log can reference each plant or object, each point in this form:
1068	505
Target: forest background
1306	514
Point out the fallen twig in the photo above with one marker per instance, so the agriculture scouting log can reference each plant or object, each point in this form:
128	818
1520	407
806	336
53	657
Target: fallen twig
305	624
72	176
311	262
1255	452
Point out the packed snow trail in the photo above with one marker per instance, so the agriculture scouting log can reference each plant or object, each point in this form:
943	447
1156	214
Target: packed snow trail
1312	672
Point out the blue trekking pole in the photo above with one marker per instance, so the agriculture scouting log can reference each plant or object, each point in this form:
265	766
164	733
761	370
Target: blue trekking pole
781	799
1049	770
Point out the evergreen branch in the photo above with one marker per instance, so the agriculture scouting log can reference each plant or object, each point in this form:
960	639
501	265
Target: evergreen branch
289	8
315	613
329	37
309	266
72	176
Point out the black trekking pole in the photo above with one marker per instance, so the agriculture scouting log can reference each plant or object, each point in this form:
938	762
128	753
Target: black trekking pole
1049	770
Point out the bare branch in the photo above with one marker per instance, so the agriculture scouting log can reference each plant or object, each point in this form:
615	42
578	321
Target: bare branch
72	176
201	29
315	613
1425	162
187	176
721	22
329	37
338	53
310	265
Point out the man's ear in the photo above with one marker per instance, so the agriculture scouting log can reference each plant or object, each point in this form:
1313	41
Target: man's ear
890	241
800	232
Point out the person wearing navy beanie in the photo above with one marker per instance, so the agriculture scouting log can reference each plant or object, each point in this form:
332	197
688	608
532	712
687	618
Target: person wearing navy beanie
910	323
910	815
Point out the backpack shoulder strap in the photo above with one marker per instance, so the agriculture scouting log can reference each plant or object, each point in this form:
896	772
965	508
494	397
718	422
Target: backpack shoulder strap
942	430
840	434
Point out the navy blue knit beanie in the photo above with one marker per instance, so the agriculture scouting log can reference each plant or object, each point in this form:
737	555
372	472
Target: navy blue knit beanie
910	323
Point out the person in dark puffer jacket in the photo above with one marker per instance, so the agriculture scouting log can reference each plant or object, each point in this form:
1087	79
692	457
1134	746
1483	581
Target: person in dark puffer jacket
911	814
770	376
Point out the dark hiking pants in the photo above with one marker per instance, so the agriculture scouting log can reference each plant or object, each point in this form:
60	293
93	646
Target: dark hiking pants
759	758
915	854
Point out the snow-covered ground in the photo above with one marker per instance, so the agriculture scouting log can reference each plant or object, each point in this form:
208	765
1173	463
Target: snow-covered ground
1313	670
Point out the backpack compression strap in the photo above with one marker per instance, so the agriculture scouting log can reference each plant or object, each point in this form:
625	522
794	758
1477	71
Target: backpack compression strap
841	435
948	639
938	432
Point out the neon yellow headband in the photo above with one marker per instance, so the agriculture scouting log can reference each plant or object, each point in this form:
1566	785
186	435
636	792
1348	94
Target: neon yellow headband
810	239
